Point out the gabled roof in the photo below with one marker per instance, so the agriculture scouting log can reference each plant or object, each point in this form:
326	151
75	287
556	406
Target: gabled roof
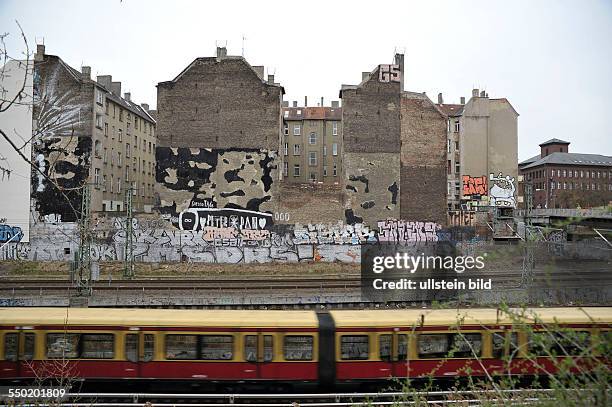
554	141
573	159
423	96
530	160
312	113
451	110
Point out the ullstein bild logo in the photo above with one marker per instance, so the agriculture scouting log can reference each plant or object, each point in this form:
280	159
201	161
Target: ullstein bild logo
399	273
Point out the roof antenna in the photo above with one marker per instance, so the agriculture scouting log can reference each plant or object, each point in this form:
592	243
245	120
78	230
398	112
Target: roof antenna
243	40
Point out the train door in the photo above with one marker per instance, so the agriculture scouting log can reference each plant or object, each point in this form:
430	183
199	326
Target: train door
393	353
139	350
259	353
23	344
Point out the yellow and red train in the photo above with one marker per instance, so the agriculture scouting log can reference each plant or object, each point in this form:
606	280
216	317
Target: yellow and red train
217	347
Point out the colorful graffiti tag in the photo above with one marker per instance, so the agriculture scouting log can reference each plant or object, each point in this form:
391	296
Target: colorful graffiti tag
10	233
502	190
475	185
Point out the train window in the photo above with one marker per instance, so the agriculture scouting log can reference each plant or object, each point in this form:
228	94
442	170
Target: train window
11	345
98	346
28	346
298	347
131	347
268	348
354	347
402	347
384	347
499	344
437	346
250	348
181	347
559	343
62	345
149	347
216	347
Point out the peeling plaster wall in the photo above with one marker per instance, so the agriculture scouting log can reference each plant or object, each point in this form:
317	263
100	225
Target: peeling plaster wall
62	123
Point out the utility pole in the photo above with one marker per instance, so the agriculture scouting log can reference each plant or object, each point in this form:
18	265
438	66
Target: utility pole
84	258
528	206
128	262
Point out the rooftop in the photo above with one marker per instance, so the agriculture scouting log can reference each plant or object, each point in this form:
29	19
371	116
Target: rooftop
451	110
572	159
312	113
554	141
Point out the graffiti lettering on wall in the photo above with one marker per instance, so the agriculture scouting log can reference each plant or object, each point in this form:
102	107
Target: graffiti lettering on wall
461	218
240	219
502	190
333	234
10	233
406	232
389	73
475	185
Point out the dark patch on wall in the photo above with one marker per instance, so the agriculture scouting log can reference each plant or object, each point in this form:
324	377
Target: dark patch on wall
232	175
351	219
351	188
367	204
363	179
239	192
394	190
267	168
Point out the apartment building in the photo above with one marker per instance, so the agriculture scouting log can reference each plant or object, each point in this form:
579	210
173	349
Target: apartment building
312	143
86	134
561	179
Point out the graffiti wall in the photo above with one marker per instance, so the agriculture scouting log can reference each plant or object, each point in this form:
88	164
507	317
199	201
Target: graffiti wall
10	234
193	183
502	190
475	186
407	232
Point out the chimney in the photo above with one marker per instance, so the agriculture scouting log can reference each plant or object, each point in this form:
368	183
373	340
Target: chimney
145	106
221	52
285	103
475	93
260	71
399	60
321	101
440	99
270	79
364	76
86	72
295	103
305	101
462	100
116	88
127	96
335	103
483	94
105	80
40	52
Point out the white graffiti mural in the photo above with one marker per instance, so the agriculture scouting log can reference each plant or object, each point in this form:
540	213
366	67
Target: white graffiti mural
502	190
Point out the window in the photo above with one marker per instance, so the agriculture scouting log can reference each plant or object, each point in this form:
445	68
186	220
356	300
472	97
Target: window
285	168
312	138
354	347
286	113
103	182
250	348
335	169
216	347
296	170
325	170
142	190
118	185
334	128
449	167
183	347
312	158
286	149
298	347
402	347
149	346
120	114
112	158
457	145
384	347
457	167
296	130
149	147
112	183
99	97
324	151
499	344
11	346
313	176
334	149
564	173
448	146
120	135
98	346
131	347
559	343
437	346
286	127
105	129
127	150
457	126
29	341
96	177
296	149
97	146
581	174
62	345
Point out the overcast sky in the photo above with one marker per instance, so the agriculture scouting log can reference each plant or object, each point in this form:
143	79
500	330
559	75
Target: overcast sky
551	59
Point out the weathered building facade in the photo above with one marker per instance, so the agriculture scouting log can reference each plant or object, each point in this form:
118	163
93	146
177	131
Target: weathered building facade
312	142
218	137
560	179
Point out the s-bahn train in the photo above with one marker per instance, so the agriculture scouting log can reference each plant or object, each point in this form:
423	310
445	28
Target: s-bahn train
220	348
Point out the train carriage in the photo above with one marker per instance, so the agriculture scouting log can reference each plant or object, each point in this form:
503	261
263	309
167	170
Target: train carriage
216	348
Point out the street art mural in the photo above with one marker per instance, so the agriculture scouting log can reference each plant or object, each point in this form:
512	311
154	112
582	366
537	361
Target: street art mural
337	234
60	147
10	234
195	182
475	185
407	232
502	190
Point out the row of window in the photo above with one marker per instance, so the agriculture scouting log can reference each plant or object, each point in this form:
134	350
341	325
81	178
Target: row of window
570	174
580	185
299	347
139	123
297	131
297	150
115	185
313	175
142	144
